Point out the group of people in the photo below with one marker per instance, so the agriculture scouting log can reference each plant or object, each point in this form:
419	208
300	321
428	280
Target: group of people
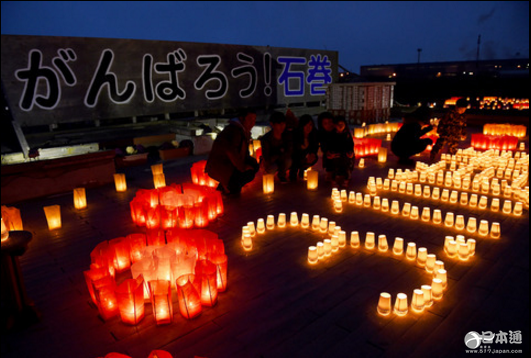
292	145
288	149
451	129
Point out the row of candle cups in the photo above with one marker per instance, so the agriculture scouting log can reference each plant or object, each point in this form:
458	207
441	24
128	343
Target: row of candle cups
412	212
421	299
447	196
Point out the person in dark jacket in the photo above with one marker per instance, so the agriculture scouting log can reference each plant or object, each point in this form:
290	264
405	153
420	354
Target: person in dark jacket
340	153
305	147
451	129
229	161
407	141
277	146
325	134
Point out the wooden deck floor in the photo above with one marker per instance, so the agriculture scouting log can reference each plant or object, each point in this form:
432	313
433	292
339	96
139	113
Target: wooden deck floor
277	304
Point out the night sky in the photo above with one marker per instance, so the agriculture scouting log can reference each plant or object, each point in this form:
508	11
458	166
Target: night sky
363	32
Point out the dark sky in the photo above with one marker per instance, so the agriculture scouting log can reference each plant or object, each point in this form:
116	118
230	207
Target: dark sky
363	32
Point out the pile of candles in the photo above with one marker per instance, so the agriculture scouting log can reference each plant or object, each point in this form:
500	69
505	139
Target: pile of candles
458	247
199	177
505	129
366	146
500	174
501	142
191	262
176	206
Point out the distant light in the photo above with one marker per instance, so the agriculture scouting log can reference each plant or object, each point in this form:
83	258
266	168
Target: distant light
471	73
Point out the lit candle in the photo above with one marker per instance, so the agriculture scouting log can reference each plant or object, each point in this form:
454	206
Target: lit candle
316	222
395	207
334	241
471	225
482	202
449	219
268	183
398	246
495	205
422	256
453	196
507	207
53	216
385	205
320	250
80	198
441	275
435	194
370	240
327	247
260	226
401	304
312	181
451	248
445	195
414	215
382	243
338	206
495	230
281	220
313	256
384	304
436	289
270	222
359	198
361	163
119	182
376	205
518	208
463	252
411	251
367	201
305	221
437	216
417	302
426	216
483	228
342	238
247	242
459	222
323	225
293	219
430	262
355	239
428	301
